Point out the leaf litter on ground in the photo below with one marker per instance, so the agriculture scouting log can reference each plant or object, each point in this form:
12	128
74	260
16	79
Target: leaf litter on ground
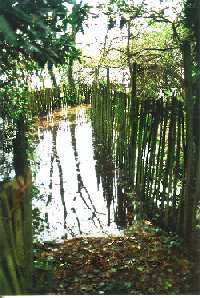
145	260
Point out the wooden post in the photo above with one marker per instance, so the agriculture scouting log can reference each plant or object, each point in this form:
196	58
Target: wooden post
16	236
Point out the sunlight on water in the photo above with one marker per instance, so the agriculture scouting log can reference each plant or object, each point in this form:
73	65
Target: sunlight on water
72	202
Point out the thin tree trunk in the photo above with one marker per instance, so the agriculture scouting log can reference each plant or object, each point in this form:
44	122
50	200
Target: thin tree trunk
189	169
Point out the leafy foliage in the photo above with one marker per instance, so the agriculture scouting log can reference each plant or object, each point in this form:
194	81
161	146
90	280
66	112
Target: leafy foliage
38	30
32	34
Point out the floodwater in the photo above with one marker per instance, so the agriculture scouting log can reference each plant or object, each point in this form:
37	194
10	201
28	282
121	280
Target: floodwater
72	200
77	190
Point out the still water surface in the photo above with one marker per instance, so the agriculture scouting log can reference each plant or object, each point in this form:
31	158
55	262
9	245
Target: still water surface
72	200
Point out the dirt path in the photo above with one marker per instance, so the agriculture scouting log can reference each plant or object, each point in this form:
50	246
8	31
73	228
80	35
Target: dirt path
144	261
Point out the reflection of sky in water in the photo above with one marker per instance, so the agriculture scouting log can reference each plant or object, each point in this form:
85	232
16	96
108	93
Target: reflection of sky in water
82	201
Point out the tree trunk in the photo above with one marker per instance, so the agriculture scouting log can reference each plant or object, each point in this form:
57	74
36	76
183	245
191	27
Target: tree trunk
189	206
133	122
196	16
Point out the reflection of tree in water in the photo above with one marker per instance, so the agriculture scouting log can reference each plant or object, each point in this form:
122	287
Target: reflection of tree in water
120	213
118	203
116	188
55	157
104	173
111	188
82	189
86	198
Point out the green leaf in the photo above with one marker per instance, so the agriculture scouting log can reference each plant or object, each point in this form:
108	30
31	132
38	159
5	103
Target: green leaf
128	285
5	28
141	269
167	285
